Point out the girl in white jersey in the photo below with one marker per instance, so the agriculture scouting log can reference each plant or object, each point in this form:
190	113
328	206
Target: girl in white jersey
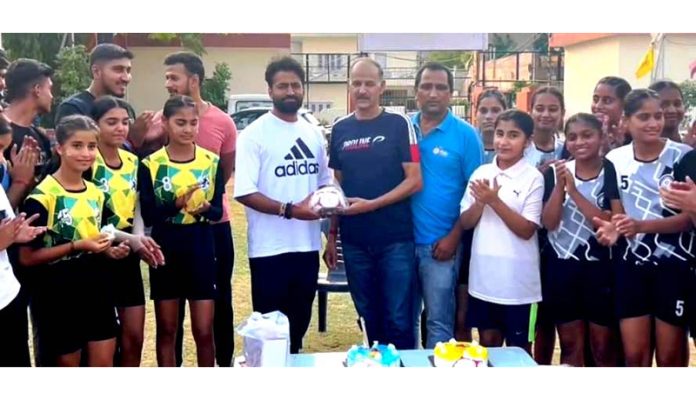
579	287
653	270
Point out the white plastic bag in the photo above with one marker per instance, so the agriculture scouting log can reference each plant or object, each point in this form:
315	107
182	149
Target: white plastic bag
266	339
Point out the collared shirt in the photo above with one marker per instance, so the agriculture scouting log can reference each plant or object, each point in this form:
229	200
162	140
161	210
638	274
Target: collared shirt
449	155
504	268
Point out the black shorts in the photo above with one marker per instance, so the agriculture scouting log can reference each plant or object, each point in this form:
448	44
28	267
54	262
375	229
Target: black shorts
190	270
127	281
467	238
73	305
517	323
662	291
580	290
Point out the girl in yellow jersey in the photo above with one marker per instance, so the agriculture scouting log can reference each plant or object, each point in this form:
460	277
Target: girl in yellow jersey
72	305
181	187
115	173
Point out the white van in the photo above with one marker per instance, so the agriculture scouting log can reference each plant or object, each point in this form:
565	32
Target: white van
239	102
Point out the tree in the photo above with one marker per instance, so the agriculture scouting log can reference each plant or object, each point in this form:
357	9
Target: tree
191	41
541	43
215	89
502	44
72	73
38	46
451	59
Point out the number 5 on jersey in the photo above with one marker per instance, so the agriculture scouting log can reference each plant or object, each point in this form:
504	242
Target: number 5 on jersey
624	182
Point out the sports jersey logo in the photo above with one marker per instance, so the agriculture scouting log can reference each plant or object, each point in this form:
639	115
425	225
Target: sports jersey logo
600	201
64	217
665	180
439	151
362	143
298	155
204	183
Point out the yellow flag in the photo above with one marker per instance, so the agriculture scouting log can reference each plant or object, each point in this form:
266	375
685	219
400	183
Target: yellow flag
647	63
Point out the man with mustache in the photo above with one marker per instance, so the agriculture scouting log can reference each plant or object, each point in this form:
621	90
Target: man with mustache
110	65
281	161
375	157
450	151
184	75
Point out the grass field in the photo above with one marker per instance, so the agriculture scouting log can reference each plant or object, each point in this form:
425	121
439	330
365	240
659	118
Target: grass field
342	330
341	333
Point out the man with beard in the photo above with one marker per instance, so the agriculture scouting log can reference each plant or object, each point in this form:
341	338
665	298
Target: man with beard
281	161
184	75
110	65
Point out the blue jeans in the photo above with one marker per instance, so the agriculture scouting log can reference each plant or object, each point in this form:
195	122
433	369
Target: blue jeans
382	282
437	289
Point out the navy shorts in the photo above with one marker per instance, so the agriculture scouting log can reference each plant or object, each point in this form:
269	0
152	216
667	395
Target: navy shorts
662	290
516	322
190	270
580	290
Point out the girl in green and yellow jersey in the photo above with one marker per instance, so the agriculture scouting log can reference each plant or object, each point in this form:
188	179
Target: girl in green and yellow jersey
181	187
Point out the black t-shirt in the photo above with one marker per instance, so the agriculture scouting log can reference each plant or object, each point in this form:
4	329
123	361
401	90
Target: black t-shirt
369	154
45	163
687	167
81	103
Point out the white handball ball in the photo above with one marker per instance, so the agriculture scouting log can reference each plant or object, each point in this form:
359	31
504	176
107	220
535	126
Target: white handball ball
326	200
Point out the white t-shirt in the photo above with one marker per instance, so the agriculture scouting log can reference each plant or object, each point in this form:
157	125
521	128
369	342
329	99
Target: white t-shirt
504	268
285	162
9	286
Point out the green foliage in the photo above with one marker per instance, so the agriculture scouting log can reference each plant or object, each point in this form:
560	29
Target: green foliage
503	44
451	59
689	91
191	41
541	43
72	73
215	89
38	46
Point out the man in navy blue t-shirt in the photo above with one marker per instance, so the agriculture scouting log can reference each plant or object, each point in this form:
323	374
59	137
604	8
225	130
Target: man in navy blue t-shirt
374	154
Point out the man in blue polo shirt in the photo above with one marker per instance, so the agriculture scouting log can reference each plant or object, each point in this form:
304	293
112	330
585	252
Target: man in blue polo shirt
450	151
374	155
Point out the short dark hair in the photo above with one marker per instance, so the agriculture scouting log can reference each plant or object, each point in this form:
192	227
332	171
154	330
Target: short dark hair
665	84
22	75
380	70
67	126
523	120
176	103
549	90
108	52
620	85
589	119
285	63
435	66
494	93
191	62
104	104
636	98
4	59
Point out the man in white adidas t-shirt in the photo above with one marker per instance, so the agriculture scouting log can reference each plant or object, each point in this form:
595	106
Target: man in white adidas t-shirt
281	161
14	348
